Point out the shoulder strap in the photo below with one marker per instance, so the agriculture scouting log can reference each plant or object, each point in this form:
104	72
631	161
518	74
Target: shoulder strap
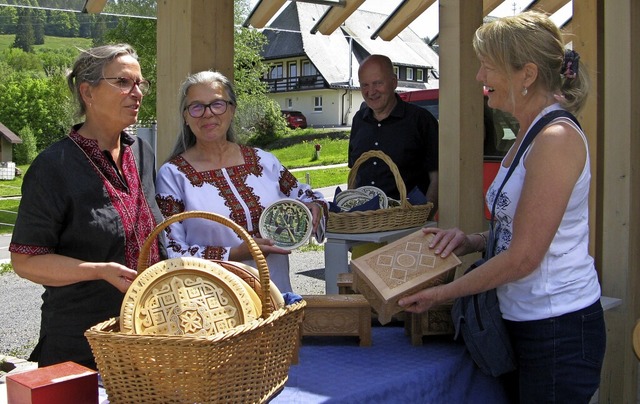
528	138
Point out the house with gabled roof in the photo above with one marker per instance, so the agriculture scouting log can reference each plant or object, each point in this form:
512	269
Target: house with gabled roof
7	140
318	74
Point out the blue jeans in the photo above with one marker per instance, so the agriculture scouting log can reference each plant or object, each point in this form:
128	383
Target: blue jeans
560	358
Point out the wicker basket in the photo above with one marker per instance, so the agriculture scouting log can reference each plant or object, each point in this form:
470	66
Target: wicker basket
248	364
396	218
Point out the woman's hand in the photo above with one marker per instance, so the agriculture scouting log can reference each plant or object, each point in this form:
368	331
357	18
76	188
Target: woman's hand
449	241
316	213
421	301
267	246
116	274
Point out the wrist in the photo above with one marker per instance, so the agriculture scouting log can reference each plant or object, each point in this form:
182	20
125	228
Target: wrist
482	246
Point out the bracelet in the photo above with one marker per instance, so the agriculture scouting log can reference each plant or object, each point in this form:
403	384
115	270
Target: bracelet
484	239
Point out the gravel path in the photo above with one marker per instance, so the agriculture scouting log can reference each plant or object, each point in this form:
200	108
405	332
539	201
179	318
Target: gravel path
20	300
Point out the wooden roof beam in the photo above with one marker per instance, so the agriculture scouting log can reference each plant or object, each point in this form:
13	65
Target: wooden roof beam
94	6
547	6
263	12
401	17
335	16
489	5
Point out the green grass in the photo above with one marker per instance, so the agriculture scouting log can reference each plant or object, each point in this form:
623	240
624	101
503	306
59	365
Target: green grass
321	178
333	151
303	154
50	42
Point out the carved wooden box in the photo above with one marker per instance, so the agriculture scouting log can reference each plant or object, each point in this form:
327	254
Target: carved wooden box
398	269
333	315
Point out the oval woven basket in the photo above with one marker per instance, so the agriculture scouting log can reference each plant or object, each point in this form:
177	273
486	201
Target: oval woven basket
400	217
248	364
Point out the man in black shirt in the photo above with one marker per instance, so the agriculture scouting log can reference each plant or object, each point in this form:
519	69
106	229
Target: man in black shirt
405	132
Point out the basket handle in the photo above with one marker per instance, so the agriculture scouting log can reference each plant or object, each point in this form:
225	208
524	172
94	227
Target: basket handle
351	179
254	249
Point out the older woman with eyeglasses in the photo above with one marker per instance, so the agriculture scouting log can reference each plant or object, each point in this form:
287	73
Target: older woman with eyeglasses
87	206
209	171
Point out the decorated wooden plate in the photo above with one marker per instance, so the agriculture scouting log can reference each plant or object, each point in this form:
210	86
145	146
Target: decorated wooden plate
186	296
351	201
287	222
251	276
373	192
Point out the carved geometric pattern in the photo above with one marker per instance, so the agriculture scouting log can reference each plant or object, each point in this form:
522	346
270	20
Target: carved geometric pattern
187	296
408	261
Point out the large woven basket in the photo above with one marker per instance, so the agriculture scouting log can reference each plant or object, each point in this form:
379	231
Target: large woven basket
400	217
248	364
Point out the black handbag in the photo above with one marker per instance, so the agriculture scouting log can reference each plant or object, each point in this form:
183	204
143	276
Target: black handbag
478	317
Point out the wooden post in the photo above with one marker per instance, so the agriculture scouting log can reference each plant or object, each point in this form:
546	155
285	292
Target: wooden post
193	35
621	196
461	199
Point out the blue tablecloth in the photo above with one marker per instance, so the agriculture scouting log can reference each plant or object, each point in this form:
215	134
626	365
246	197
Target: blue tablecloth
337	370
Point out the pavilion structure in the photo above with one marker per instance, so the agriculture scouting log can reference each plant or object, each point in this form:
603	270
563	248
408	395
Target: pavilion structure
195	35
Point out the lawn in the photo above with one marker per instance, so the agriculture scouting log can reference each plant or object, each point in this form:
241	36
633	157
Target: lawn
50	42
302	154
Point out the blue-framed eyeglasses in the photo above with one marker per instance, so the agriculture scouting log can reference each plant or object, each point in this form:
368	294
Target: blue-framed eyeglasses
217	107
125	84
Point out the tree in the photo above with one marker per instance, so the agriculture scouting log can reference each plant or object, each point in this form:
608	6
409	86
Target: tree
25	152
25	37
8	20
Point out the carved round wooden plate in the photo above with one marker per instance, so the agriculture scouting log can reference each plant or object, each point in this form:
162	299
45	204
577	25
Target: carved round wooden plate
186	296
287	222
373	192
251	276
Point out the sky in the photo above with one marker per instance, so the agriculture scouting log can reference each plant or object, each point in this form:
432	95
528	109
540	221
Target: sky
426	25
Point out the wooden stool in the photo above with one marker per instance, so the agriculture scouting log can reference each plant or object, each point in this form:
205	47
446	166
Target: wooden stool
435	321
333	315
345	283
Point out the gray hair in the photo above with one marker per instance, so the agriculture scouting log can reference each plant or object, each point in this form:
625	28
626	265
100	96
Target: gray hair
510	43
186	138
89	68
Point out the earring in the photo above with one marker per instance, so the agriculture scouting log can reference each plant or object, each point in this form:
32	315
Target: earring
524	91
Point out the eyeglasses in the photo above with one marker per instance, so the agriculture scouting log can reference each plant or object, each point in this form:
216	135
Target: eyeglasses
218	107
126	84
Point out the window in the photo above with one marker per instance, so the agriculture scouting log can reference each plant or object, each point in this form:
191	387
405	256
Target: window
396	71
288	103
409	73
293	69
317	104
419	75
308	69
276	71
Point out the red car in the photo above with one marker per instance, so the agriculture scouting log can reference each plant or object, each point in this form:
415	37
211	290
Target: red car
500	132
295	119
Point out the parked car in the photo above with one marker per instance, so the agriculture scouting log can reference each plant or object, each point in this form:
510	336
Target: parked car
295	119
500	132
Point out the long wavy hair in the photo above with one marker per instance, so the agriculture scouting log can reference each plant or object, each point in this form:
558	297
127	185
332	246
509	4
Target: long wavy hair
186	137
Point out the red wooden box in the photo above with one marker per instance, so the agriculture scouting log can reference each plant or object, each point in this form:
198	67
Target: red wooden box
63	383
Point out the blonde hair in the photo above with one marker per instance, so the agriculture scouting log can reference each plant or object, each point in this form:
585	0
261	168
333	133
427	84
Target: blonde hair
510	43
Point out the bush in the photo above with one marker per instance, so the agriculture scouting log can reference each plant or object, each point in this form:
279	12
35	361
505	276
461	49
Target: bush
25	152
258	120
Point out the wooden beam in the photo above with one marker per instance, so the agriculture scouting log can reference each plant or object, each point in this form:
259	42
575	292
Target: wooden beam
94	6
621	195
401	17
461	199
547	6
335	16
193	35
489	5
263	12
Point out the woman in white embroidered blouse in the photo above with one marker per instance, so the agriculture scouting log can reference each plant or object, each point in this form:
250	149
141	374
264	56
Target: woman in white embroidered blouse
209	171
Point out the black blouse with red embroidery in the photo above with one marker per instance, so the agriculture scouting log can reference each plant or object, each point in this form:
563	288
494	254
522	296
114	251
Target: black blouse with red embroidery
77	204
